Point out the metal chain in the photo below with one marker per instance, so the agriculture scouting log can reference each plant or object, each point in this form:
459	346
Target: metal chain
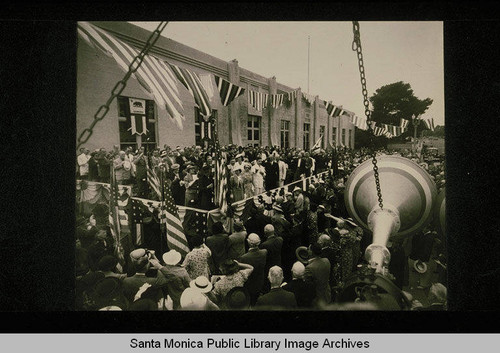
356	46
120	85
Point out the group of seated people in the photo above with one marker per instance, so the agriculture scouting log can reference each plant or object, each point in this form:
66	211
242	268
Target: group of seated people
297	257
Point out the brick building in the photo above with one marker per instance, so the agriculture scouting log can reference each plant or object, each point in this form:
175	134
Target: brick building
294	124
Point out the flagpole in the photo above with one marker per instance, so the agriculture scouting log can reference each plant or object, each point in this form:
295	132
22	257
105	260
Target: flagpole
163	223
308	55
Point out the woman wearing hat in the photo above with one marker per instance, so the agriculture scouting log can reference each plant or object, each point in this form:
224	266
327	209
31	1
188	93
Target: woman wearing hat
236	185
247	178
235	274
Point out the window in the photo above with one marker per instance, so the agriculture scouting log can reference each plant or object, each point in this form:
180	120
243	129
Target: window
322	134
350	138
343	137
334	136
285	133
204	132
136	123
253	129
307	130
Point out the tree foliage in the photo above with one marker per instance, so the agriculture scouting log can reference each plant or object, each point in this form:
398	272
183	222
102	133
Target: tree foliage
396	101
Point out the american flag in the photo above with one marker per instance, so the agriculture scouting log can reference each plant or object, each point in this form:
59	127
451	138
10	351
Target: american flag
140	209
317	145
153	74
153	181
191	81
195	223
430	124
169	215
118	218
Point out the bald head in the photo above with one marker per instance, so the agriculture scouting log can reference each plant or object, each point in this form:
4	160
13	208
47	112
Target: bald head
324	240
269	230
298	270
253	240
275	276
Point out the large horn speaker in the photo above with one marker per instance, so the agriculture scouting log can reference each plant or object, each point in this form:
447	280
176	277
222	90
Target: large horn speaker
408	194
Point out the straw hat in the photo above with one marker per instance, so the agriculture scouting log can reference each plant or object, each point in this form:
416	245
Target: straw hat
172	257
202	284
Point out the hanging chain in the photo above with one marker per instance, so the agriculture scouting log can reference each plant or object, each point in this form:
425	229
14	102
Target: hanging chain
356	46
120	85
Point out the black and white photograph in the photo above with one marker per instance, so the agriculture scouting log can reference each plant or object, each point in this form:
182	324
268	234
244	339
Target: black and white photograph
256	166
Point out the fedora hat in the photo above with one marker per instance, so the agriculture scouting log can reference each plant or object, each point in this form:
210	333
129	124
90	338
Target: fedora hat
303	254
237	298
420	266
297	189
202	284
172	257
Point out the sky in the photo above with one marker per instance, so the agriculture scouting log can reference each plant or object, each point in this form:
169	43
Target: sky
410	51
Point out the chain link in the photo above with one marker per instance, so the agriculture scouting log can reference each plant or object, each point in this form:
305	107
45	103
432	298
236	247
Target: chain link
120	85
356	46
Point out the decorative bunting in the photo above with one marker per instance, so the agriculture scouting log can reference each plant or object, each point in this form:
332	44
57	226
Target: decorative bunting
153	74
257	100
227	90
277	100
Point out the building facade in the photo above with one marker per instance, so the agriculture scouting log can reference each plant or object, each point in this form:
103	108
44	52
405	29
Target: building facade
297	123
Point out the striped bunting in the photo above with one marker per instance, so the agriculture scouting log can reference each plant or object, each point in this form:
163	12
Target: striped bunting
192	82
292	96
118	219
333	110
360	123
176	239
257	100
430	124
404	124
228	91
222	187
206	81
309	97
152	74
277	100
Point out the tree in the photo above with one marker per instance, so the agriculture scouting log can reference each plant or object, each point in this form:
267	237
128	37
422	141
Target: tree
396	101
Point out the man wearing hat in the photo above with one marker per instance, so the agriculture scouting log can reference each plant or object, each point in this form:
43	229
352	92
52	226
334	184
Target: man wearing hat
237	298
177	278
299	203
142	261
239	164
283	168
83	163
202	284
194	299
277	298
178	189
257	258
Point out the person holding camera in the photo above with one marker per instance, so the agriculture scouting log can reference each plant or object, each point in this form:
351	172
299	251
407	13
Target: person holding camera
142	260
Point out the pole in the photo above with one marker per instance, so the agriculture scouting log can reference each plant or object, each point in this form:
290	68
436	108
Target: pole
308	55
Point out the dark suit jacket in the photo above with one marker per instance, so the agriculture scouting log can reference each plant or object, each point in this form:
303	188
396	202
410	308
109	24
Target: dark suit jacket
256	258
277	298
318	271
256	224
273	246
218	245
304	292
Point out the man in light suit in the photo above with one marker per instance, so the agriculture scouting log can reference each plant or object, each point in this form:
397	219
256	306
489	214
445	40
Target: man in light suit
283	167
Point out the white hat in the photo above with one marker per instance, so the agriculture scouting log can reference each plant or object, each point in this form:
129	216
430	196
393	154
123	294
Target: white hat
193	299
297	189
172	257
202	284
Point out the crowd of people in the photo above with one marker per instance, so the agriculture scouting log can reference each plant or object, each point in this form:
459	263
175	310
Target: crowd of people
298	257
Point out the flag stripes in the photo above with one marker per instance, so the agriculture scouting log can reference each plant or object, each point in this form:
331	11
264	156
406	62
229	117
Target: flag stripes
430	124
360	123
277	100
292	96
404	124
153	181
257	100
227	90
317	145
153	75
192	82
333	110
